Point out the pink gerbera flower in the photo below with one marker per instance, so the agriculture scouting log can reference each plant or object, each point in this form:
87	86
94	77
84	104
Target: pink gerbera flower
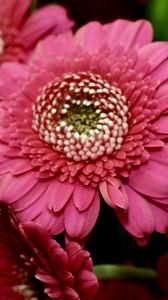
19	33
88	118
66	274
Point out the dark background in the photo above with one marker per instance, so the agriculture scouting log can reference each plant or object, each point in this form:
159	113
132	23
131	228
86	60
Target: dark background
104	11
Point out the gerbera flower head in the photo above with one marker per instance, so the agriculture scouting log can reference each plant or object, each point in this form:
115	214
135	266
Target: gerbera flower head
19	32
66	274
90	119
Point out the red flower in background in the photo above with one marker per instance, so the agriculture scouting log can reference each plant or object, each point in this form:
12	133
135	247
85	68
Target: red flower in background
19	32
162	267
16	281
27	250
117	290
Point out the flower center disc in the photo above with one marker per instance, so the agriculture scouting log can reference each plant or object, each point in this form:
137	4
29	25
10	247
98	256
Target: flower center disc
82	116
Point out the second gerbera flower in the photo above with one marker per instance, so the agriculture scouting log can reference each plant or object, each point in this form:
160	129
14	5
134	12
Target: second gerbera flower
90	118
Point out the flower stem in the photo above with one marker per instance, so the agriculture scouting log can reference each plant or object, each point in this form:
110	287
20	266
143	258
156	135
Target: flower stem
124	272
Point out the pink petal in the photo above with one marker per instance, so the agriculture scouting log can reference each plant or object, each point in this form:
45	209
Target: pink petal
54	222
19	10
136	35
46	278
29	198
163	202
21	167
163	103
90	37
139	218
32	211
162	125
49	19
83	196
114	30
12	76
7	165
155	144
32	87
14	10
56	46
114	195
55	293
160	72
51	47
79	224
161	218
153	53
162	91
150	179
160	156
58	194
14	187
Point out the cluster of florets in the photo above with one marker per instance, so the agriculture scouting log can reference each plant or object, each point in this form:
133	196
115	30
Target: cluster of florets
82	116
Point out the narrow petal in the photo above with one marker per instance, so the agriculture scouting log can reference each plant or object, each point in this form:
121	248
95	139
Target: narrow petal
14	10
136	35
7	165
30	197
46	278
90	37
71	294
160	73
52	46
12	75
23	166
105	194
83	196
54	293
31	212
19	10
49	19
160	156
150	179
115	30
58	194
14	187
54	222
114	195
161	219
162	90
79	224
153	53
161	125
139	218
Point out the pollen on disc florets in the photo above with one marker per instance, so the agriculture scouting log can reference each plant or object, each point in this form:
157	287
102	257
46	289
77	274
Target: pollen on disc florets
82	116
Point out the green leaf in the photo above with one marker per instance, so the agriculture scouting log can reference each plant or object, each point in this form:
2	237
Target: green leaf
124	272
156	12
